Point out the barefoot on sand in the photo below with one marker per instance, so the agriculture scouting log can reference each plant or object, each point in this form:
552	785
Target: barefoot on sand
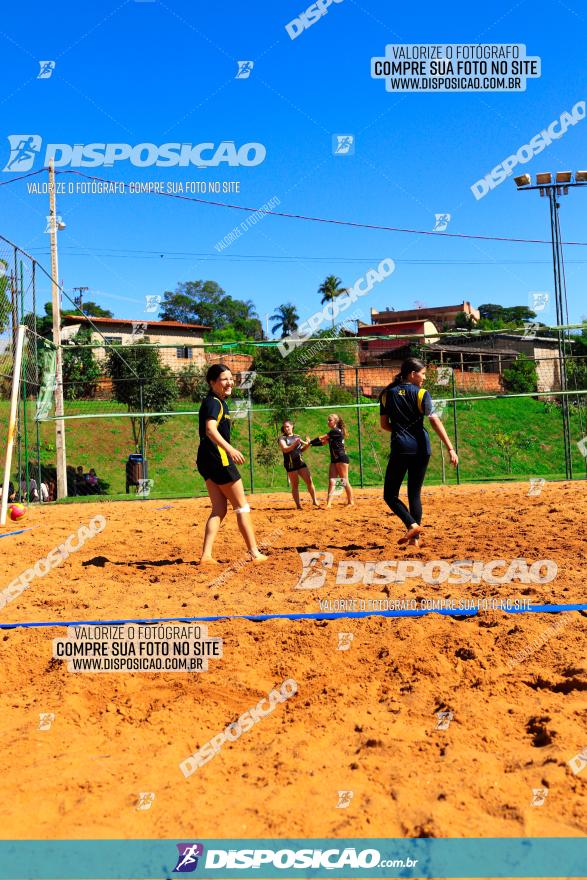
260	558
207	560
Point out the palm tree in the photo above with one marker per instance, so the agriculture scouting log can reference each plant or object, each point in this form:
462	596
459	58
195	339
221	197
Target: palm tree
330	288
286	318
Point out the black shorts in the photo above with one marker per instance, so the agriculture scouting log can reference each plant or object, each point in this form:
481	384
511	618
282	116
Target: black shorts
342	459
296	466
218	473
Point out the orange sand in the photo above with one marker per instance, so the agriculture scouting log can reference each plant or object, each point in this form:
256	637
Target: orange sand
362	720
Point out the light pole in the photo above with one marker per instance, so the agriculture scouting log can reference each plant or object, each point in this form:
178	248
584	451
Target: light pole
60	455
553	189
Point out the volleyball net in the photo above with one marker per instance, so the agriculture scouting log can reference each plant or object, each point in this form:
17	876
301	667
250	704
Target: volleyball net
130	409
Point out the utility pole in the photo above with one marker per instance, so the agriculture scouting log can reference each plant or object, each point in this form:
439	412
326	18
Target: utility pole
79	300
61	459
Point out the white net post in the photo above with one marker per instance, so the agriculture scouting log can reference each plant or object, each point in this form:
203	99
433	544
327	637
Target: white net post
12	421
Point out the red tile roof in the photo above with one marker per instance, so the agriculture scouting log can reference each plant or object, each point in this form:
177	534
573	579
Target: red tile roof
81	319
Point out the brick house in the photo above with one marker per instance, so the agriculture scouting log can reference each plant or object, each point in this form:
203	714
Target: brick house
443	316
177	339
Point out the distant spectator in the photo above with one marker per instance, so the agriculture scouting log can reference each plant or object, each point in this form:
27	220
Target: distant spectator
11	492
33	491
92	480
52	490
81	487
44	492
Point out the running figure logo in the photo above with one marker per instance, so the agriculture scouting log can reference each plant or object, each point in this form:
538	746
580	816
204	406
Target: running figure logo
244	69
139	328
344	641
531	329
247	379
47	68
441	222
54	223
443	719
344	799
315	565
443	375
538	300
240	409
153	302
146	799
46	719
539	795
536	485
343	145
23	149
189	853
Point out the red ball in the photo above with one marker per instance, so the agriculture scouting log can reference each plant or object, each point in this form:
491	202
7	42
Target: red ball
17	511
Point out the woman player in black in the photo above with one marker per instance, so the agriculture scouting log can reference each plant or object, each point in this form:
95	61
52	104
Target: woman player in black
402	407
339	460
292	447
217	461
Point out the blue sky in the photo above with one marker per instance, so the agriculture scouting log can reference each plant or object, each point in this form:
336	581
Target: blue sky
157	72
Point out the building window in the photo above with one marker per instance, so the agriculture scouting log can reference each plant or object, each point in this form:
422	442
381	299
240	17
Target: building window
113	340
184	353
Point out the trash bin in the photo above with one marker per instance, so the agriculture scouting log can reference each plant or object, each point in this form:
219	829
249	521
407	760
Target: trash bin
136	470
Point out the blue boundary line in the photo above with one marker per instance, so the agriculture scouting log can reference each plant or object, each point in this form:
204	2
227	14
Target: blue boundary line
318	615
19	532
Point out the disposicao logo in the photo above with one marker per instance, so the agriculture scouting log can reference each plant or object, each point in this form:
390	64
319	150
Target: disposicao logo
187	860
24	149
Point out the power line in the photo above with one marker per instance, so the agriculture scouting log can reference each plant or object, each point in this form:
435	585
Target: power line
308	218
129	253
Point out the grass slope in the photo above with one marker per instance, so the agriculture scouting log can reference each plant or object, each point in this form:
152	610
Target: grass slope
105	444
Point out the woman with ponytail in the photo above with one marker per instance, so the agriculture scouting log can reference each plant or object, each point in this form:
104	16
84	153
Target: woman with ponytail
339	460
217	463
402	407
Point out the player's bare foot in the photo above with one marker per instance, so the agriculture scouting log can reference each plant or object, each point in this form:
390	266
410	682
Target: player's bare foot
414	542
260	557
412	532
350	504
299	507
208	560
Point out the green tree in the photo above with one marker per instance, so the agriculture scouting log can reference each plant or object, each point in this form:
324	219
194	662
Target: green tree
282	387
464	321
191	382
497	317
81	371
205	302
266	451
509	445
228	335
330	288
286	319
139	379
521	377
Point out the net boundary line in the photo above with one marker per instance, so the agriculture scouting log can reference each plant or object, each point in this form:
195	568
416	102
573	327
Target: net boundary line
314	615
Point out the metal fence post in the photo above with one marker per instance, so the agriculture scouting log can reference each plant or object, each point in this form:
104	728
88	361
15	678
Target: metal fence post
455	422
251	457
359	426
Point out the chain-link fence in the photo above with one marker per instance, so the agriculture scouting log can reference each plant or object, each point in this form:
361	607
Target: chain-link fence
131	417
513	402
